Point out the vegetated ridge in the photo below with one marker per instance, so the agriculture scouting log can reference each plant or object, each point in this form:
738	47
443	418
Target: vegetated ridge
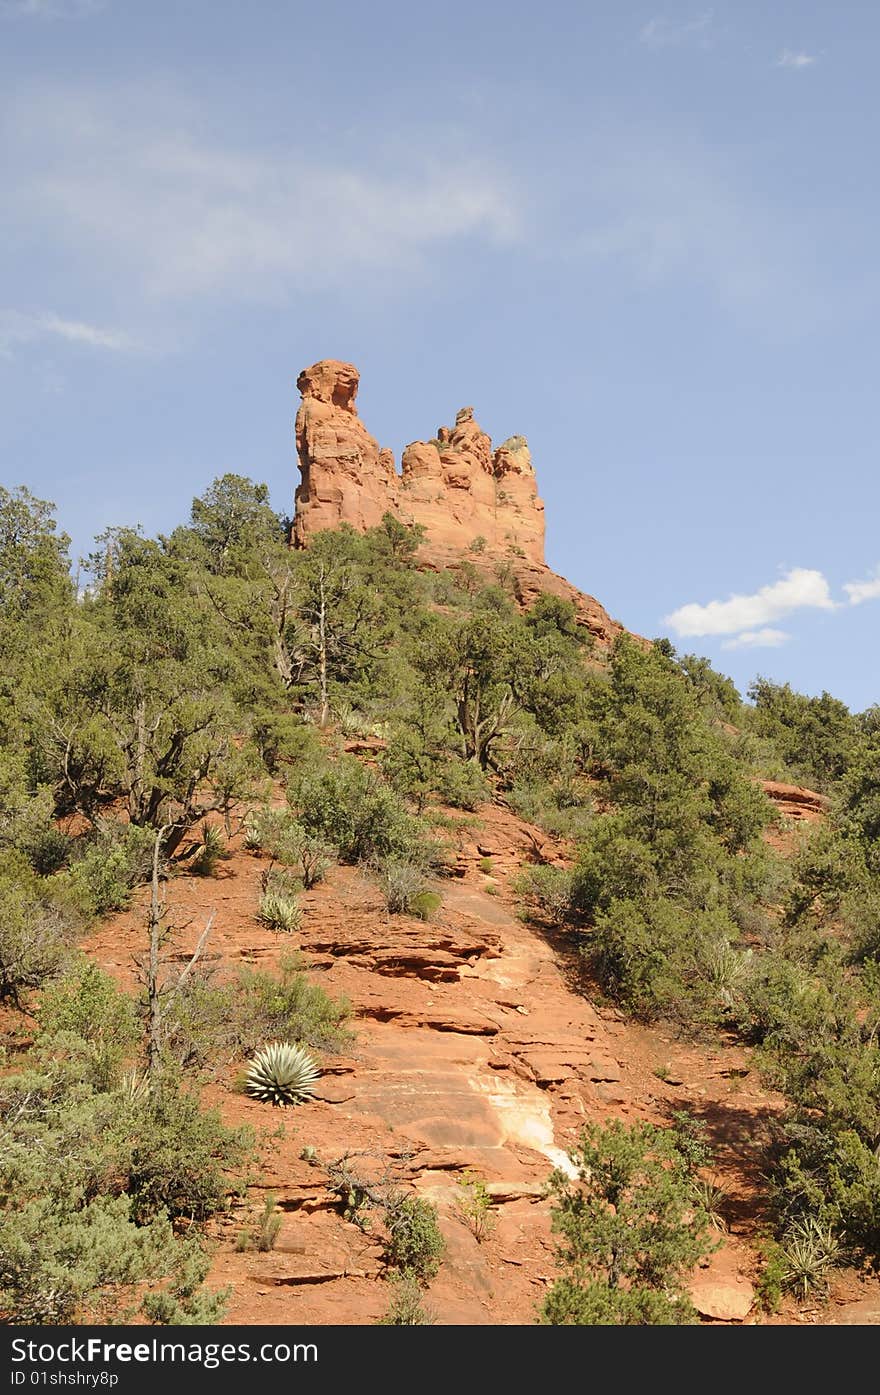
388	935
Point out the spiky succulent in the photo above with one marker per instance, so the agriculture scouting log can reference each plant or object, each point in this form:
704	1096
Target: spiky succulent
281	1074
134	1087
279	912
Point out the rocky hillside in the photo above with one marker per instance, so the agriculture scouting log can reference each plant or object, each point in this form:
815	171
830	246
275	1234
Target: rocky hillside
575	940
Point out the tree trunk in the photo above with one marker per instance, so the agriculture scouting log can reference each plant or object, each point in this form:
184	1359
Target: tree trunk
154	1057
322	649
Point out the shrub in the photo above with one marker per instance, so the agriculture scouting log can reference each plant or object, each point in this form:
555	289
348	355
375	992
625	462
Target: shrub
551	888
415	1244
405	1308
211	1022
660	959
769	1285
289	1008
426	904
405	888
281	1074
59	1264
474	1206
87	1004
108	865
612	866
34	940
629	1230
348	805
183	1160
48	849
462	783
275	832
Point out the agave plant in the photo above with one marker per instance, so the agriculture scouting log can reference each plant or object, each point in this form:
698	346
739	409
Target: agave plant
279	912
281	1074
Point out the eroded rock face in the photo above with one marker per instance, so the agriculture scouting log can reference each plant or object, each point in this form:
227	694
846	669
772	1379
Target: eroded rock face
346	478
473	502
455	486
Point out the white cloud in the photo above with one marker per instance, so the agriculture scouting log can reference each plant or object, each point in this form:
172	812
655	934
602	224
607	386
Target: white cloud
661	32
757	639
792	58
18	328
137	191
801	588
859	591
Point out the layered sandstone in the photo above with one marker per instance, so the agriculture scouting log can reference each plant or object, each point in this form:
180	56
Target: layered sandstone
471	500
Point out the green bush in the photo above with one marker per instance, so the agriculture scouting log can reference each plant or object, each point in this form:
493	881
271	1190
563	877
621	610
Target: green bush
213	1022
415	1245
571	1303
285	840
613	866
462	783
290	1007
474	1205
183	1161
405	888
661	960
351	807
62	1265
86	1003
406	1308
630	1233
107	866
550	888
426	904
34	940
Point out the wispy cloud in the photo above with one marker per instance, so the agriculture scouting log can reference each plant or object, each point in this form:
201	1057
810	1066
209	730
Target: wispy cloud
19	328
661	32
668	212
860	591
181	215
765	638
801	588
795	58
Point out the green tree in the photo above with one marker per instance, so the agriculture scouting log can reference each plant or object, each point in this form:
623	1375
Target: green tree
629	1229
816	736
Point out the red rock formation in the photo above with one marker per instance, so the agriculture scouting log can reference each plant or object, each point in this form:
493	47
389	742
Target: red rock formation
345	476
470	499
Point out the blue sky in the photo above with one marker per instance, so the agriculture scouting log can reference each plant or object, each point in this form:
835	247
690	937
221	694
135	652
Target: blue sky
644	236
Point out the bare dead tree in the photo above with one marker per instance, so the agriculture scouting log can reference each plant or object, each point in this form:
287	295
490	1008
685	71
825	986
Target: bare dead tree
161	993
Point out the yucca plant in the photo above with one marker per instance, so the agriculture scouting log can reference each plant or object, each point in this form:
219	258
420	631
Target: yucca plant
253	834
134	1087
810	1249
279	912
281	1074
711	1197
209	851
